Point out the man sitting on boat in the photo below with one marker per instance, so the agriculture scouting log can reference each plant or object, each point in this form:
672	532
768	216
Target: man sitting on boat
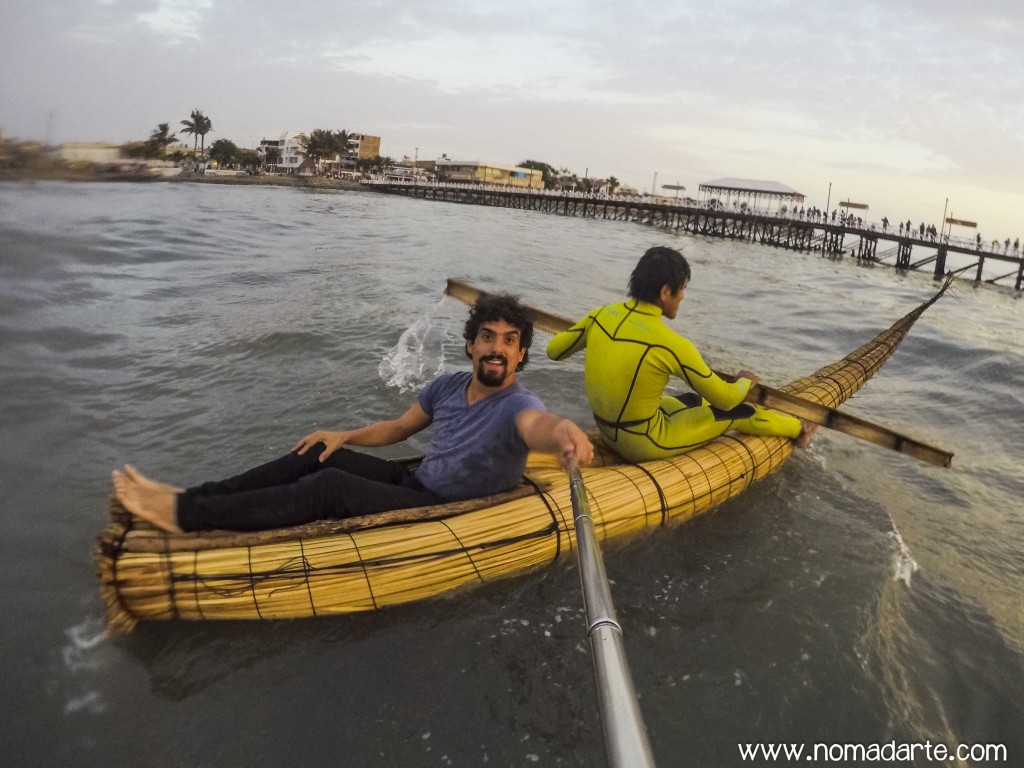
631	353
485	423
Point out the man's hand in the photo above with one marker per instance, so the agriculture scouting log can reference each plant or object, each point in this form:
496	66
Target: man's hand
575	444
552	434
332	441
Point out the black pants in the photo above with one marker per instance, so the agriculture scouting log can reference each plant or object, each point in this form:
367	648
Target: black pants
297	489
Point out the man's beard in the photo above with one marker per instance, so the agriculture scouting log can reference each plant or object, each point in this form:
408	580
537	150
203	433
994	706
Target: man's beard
488	377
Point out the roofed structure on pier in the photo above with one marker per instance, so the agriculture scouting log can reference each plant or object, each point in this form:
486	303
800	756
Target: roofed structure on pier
750	188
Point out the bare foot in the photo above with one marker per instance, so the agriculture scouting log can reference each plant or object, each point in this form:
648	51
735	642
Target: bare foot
141	479
153	504
806	434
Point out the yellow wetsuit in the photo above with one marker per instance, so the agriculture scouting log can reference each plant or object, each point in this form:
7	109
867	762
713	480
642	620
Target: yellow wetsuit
631	354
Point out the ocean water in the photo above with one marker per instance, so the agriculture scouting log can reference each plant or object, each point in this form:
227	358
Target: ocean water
855	597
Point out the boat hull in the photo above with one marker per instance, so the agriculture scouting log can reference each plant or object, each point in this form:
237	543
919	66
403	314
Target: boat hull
361	564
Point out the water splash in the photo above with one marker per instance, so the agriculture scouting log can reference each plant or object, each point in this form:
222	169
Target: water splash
82	658
418	356
904	565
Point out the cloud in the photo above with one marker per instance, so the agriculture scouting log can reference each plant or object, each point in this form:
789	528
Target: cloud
177	19
500	64
116	21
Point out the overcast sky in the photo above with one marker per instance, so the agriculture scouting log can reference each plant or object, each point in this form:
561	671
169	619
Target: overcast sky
898	104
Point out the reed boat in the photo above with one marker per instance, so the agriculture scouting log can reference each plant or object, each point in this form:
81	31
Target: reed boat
371	562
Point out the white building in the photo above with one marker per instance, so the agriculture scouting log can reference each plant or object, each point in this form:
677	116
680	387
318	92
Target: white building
291	152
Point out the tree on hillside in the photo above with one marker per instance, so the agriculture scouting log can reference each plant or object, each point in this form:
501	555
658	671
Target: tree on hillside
161	138
343	137
375	164
548	173
272	157
321	143
249	159
224	151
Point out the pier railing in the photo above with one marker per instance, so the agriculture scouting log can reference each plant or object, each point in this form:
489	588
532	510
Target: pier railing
836	237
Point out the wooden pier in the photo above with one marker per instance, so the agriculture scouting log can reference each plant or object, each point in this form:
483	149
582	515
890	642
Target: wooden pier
904	251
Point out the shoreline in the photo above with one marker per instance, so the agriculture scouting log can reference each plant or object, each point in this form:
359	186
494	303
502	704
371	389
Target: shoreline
63	174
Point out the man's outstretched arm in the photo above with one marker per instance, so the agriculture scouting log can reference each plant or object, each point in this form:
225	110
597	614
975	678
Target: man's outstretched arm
548	433
381	433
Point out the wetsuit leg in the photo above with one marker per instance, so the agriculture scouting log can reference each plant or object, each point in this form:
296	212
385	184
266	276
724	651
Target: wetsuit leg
766	422
680	428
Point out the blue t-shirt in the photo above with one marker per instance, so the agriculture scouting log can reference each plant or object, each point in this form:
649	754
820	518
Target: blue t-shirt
475	450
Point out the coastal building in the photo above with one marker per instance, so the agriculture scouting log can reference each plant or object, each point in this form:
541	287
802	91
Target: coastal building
291	152
270	151
362	146
475	172
288	150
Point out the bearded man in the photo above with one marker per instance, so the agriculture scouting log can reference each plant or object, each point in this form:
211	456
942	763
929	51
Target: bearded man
485	424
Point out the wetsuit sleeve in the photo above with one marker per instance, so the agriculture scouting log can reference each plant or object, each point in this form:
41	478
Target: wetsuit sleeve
570	342
709	385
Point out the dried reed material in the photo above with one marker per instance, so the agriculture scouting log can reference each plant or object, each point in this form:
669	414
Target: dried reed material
367	563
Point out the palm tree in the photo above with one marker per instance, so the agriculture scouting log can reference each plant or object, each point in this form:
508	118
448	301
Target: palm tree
613	184
198	126
321	143
161	138
192	127
207	126
343	137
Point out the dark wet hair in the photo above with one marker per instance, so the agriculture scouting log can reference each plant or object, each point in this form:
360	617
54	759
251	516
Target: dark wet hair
505	307
659	266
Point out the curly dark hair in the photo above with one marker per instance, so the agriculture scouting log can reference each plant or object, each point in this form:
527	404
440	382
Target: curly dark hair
505	307
657	267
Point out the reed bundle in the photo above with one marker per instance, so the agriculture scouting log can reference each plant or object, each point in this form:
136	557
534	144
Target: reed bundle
391	558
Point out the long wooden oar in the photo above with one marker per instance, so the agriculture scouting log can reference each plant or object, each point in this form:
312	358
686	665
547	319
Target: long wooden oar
764	395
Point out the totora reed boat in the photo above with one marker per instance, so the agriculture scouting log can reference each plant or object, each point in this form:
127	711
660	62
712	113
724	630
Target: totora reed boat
366	563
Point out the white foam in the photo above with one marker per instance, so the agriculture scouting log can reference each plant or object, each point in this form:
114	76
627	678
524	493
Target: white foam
417	358
91	702
82	638
904	565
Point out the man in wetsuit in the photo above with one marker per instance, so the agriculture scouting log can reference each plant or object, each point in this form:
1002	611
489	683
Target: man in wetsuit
631	353
485	423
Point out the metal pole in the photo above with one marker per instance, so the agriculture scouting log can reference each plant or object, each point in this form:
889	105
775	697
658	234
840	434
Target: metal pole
942	229
625	737
827	202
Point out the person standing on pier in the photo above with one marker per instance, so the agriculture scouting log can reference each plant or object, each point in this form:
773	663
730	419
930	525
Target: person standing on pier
631	353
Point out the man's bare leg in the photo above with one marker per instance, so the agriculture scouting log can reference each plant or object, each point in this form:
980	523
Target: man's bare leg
806	434
152	501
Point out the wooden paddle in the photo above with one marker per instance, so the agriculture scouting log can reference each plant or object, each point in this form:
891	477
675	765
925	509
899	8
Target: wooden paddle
763	395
